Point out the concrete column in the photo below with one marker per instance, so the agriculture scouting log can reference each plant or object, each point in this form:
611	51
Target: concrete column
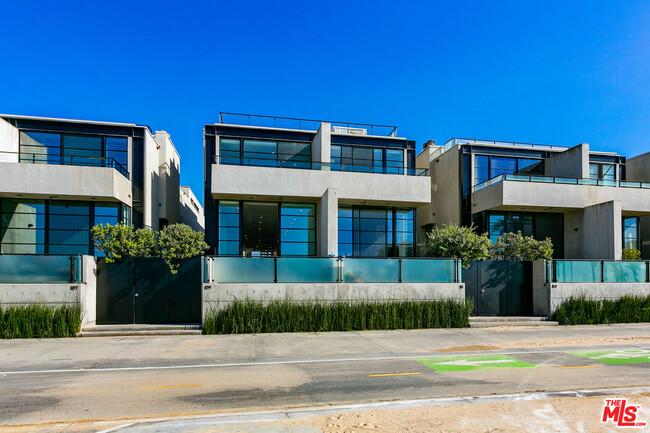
573	162
328	224
601	231
9	142
321	146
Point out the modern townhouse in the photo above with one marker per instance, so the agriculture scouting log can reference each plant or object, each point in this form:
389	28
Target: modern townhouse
60	177
591	204
296	187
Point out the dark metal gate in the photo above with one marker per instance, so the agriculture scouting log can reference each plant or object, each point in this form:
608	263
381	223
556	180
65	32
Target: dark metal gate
500	287
144	291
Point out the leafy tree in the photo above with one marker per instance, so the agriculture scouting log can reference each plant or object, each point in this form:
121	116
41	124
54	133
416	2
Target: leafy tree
177	242
120	241
457	242
515	246
631	254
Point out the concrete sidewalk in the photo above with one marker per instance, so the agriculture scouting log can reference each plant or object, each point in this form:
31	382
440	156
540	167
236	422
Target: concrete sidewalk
144	352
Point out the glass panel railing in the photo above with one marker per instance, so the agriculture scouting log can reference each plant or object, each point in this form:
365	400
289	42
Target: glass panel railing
587	182
625	272
428	271
518	177
566	180
243	270
38	269
545	179
607	182
645	185
625	184
307	270
578	272
370	270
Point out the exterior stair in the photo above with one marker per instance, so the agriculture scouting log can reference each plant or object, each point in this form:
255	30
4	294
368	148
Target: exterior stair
139	330
501	321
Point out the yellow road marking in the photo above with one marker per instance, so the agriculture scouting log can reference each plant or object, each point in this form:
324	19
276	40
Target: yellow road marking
392	374
581	366
172	386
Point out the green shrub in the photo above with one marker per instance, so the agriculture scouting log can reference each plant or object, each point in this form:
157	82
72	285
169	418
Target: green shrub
582	311
39	321
248	317
515	246
457	242
631	254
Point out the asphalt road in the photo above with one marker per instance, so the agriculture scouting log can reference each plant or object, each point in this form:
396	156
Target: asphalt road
116	379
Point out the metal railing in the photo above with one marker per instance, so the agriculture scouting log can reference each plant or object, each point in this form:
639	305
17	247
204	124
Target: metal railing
304	124
315	165
32	269
560	180
597	271
224	269
75	160
455	141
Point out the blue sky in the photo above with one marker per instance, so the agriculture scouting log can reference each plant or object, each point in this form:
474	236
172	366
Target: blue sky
553	72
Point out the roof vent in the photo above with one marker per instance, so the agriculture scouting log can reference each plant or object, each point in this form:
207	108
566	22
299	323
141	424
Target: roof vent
349	130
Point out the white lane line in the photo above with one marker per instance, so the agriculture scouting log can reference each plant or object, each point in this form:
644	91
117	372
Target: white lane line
286	362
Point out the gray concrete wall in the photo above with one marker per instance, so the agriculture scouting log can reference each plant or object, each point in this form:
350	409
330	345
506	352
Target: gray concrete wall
191	211
445	188
9	142
151	184
328	224
570	163
41	293
321	145
168	178
64	181
235	182
547	297
572	237
218	296
88	291
638	168
601	231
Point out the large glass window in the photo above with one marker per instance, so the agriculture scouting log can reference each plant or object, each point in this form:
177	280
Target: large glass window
367	159
67	149
228	228
537	224
69	227
264	153
487	167
22	226
631	232
298	229
602	171
375	231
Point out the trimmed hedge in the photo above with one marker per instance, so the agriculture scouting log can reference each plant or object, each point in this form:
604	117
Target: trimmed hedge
248	317
39	321
582	311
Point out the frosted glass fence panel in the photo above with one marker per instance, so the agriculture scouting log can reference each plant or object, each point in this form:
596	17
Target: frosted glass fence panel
428	271
578	272
370	270
625	272
39	269
240	270
307	270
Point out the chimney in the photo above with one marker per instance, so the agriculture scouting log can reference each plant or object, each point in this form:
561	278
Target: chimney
429	143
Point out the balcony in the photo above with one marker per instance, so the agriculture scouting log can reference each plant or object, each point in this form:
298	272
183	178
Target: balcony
513	191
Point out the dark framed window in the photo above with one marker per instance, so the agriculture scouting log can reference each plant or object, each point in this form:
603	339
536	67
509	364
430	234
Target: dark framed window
602	171
298	229
366	231
265	153
367	159
631	233
22	226
487	167
229	228
74	149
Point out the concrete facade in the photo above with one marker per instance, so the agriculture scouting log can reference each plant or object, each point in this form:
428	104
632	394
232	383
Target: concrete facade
219	296
592	210
319	184
146	182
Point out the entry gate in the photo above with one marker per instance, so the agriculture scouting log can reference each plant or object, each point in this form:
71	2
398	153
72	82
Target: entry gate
500	287
136	290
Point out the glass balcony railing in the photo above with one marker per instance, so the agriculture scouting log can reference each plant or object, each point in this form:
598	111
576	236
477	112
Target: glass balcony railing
456	141
56	159
561	180
330	270
17	269
598	271
263	161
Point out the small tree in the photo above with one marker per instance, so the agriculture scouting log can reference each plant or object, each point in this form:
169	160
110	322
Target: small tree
459	243
515	246
177	242
631	254
120	241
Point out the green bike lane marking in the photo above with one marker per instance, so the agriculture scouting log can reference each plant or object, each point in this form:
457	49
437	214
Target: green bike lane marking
474	362
617	357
